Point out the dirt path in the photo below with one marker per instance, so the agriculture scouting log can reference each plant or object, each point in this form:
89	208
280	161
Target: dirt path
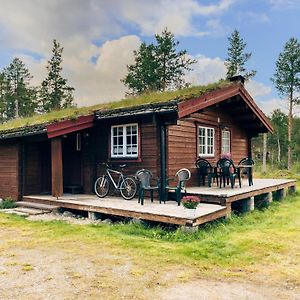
40	268
204	289
48	274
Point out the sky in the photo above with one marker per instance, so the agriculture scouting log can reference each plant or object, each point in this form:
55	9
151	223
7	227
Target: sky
99	37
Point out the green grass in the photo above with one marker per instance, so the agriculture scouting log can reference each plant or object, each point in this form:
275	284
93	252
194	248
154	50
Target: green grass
260	243
72	113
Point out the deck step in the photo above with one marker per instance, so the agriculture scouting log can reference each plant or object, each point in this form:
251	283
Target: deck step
31	211
13	211
34	205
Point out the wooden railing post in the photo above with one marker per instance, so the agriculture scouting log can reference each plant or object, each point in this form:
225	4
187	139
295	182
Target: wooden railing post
56	167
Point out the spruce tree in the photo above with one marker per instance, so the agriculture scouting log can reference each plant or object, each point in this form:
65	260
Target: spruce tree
20	97
287	82
54	92
236	60
159	66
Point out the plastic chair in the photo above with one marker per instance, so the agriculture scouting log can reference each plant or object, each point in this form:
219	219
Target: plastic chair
145	177
205	169
228	171
182	176
246	167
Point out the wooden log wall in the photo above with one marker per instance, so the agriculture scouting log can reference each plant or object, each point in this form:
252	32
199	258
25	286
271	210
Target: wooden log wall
149	151
10	167
182	141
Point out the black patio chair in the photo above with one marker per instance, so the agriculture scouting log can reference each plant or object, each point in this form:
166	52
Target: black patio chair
246	168
182	176
144	178
228	171
205	169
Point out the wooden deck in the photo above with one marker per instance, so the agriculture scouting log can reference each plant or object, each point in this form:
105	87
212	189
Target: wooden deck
216	203
169	212
227	195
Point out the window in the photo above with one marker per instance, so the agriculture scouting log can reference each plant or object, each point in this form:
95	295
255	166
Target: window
124	140
206	136
225	141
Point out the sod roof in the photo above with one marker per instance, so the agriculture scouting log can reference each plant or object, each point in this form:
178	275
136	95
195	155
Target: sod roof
38	122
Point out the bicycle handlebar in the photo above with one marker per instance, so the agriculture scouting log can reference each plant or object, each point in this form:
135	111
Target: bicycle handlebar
108	166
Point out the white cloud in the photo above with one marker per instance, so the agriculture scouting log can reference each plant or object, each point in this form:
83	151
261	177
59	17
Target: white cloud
206	70
268	106
28	28
94	82
153	16
258	17
257	89
281	4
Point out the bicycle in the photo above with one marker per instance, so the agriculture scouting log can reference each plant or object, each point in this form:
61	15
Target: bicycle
125	184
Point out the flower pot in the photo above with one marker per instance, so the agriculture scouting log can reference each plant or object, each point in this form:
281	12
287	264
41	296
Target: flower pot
191	212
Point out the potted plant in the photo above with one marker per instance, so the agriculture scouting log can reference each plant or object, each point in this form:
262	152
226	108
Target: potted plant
190	202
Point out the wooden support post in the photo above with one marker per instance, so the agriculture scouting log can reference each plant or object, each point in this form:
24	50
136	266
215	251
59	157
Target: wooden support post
248	204
281	194
56	167
292	190
189	229
92	215
269	197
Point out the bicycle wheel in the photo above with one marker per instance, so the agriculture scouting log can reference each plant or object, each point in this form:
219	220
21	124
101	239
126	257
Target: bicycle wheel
101	186
128	188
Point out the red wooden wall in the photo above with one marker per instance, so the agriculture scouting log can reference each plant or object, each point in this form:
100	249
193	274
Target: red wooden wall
9	171
149	151
182	141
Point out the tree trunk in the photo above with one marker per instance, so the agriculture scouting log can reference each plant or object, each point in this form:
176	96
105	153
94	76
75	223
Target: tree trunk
264	162
290	119
278	150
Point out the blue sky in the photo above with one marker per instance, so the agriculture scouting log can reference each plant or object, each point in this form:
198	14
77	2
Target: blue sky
100	36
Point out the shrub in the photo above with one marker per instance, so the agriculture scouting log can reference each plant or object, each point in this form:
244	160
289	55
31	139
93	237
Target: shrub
7	203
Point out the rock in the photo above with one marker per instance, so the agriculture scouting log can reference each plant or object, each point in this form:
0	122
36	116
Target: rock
107	221
68	214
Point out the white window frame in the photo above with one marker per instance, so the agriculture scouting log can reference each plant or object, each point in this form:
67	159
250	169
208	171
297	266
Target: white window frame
227	139
124	152
206	137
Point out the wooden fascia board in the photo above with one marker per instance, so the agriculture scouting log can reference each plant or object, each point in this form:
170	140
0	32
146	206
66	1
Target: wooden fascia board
188	107
251	103
68	126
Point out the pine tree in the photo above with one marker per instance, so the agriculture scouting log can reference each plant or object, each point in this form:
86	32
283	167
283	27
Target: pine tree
3	97
20	97
287	81
236	60
54	92
158	67
142	75
172	63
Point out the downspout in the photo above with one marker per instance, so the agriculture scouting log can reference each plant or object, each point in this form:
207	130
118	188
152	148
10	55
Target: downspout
163	162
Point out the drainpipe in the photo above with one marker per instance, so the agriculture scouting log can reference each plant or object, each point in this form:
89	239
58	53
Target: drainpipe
163	158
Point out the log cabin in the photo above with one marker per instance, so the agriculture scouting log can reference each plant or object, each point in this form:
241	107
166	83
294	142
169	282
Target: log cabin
162	132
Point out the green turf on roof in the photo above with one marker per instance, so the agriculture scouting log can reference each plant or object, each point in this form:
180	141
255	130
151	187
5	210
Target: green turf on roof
72	113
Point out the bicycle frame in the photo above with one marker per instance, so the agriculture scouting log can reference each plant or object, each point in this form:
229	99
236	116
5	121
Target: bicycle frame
117	185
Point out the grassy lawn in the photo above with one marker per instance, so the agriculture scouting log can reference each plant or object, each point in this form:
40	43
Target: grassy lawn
261	246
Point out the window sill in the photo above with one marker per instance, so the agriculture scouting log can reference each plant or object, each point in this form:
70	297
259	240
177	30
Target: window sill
124	159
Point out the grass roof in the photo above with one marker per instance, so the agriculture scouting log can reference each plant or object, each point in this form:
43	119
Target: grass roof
73	113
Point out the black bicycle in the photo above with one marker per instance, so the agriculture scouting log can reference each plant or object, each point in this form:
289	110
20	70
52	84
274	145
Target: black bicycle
125	184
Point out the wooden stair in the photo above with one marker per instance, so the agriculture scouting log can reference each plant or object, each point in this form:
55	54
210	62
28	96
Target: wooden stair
38	206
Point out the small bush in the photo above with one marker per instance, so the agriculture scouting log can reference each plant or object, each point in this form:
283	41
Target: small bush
7	203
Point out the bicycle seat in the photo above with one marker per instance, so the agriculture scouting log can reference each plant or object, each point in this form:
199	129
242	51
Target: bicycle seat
122	166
